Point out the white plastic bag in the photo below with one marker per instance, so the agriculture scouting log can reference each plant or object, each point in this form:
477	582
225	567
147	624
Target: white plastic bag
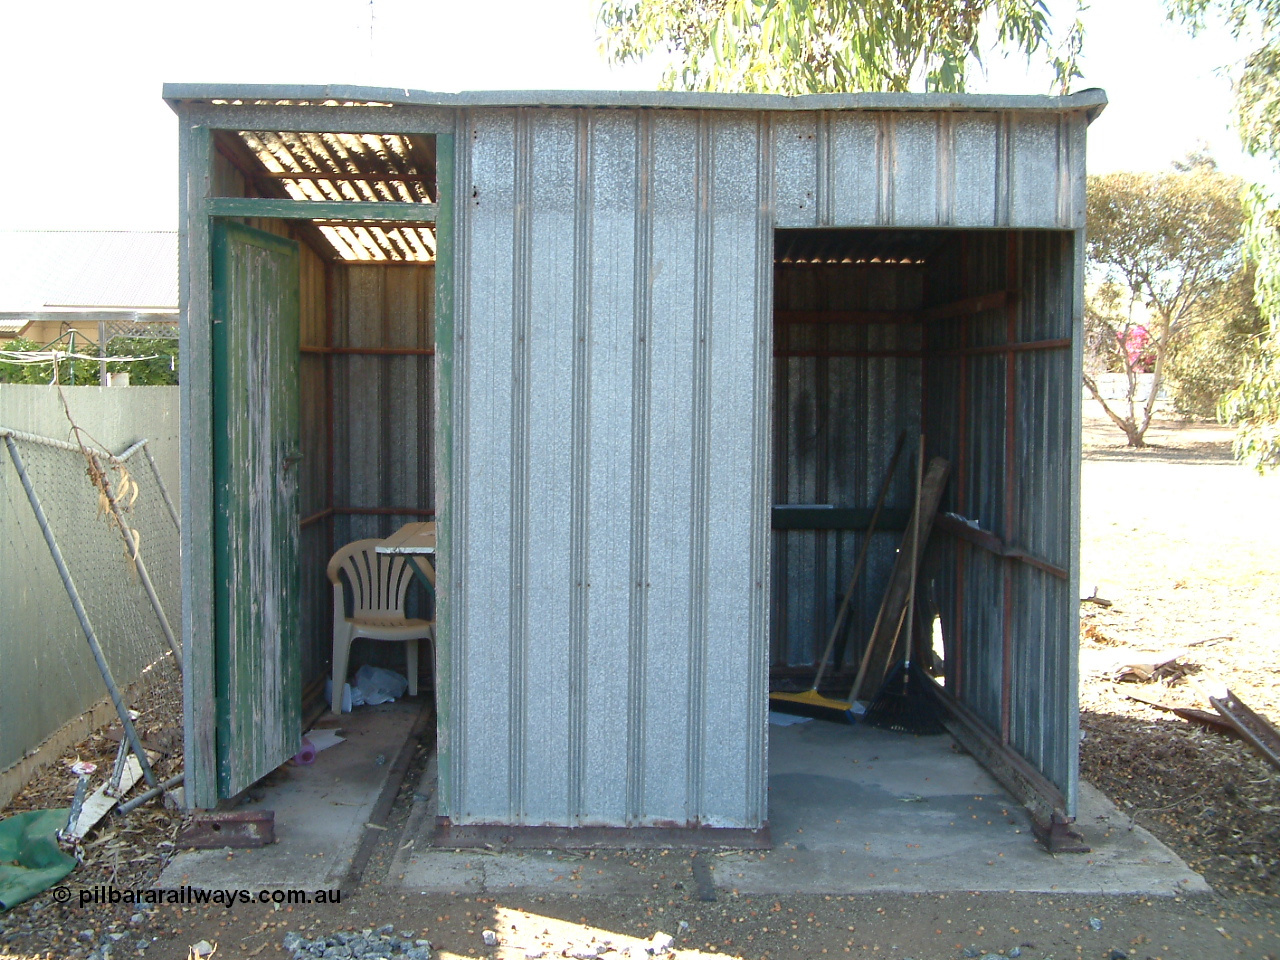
377	685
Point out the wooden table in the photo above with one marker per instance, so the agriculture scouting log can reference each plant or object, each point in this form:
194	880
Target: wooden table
417	541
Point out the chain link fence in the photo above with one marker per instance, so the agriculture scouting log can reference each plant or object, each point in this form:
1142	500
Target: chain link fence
92	503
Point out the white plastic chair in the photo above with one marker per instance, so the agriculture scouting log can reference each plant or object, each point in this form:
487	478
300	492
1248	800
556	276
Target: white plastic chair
378	583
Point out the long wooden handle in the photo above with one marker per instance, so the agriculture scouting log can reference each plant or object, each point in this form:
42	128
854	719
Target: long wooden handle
913	526
915	551
861	561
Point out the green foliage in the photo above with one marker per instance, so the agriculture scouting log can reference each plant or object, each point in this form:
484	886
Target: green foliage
1210	359
821	46
69	371
160	369
1254	406
1165	250
11	372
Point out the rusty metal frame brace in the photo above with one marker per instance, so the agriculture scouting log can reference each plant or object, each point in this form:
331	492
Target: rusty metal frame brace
499	836
1264	737
1043	800
1059	835
212	830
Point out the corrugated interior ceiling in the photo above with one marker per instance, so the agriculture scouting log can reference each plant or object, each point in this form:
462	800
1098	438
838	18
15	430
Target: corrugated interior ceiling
345	166
858	247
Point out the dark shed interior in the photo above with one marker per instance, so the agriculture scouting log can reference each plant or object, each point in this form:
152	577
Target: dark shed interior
968	336
366	375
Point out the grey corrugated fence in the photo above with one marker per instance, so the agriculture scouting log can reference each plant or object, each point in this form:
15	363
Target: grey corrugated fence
47	673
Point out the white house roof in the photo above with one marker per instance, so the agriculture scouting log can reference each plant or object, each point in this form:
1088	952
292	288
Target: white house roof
82	270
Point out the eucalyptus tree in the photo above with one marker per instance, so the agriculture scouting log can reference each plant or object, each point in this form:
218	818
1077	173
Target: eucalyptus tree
1255	405
823	46
1163	249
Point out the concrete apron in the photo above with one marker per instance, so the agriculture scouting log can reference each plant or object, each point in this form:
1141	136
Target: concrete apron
851	810
321	810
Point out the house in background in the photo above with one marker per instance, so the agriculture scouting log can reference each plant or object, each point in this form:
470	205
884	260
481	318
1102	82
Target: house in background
84	288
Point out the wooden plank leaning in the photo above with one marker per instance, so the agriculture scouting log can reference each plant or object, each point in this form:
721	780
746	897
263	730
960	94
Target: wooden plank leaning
876	657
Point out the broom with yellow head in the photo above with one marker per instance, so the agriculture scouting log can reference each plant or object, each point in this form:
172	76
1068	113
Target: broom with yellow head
811	703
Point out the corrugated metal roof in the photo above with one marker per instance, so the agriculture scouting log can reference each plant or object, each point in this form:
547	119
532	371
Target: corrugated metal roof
88	269
344	166
340	95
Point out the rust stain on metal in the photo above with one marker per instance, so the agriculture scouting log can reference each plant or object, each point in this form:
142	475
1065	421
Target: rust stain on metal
239	828
693	836
1264	737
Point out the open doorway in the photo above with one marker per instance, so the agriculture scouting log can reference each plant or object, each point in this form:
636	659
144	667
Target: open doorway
963	337
340	421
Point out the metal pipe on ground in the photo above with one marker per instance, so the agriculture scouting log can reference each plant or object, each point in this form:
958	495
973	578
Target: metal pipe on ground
151	794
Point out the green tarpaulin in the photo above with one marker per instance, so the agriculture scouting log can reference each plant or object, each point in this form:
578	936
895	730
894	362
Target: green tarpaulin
30	858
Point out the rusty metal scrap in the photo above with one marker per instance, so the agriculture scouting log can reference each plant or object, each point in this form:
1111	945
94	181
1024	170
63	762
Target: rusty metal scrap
1264	737
237	828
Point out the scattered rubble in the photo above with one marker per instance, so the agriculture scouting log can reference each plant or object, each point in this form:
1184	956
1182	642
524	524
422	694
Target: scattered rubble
368	944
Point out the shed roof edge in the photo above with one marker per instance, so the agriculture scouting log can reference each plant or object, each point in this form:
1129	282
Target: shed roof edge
1092	100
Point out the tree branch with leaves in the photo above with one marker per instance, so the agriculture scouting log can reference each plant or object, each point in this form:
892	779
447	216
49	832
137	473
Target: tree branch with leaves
1254	406
824	46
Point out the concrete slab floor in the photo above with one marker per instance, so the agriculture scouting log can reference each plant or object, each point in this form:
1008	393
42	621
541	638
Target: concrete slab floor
852	810
320	810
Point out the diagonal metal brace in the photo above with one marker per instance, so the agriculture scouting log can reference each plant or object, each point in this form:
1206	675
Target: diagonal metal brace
135	557
122	711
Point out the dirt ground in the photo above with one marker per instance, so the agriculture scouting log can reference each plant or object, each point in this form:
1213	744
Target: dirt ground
1186	545
1182	543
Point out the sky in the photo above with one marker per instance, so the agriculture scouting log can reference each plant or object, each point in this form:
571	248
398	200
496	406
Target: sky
91	144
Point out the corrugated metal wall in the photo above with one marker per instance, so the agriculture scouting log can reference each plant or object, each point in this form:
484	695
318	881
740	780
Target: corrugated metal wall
610	580
611	478
1012	436
383	447
836	423
929	169
315	541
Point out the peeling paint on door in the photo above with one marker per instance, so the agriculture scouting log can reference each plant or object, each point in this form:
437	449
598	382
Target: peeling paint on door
256	443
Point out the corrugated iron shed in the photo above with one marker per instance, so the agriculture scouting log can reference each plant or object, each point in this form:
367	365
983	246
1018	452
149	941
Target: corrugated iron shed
656	316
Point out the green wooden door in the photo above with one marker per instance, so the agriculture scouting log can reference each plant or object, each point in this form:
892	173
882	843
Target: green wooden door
256	445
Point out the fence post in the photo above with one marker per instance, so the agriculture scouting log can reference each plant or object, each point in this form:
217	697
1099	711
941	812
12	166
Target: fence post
122	711
164	491
136	557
